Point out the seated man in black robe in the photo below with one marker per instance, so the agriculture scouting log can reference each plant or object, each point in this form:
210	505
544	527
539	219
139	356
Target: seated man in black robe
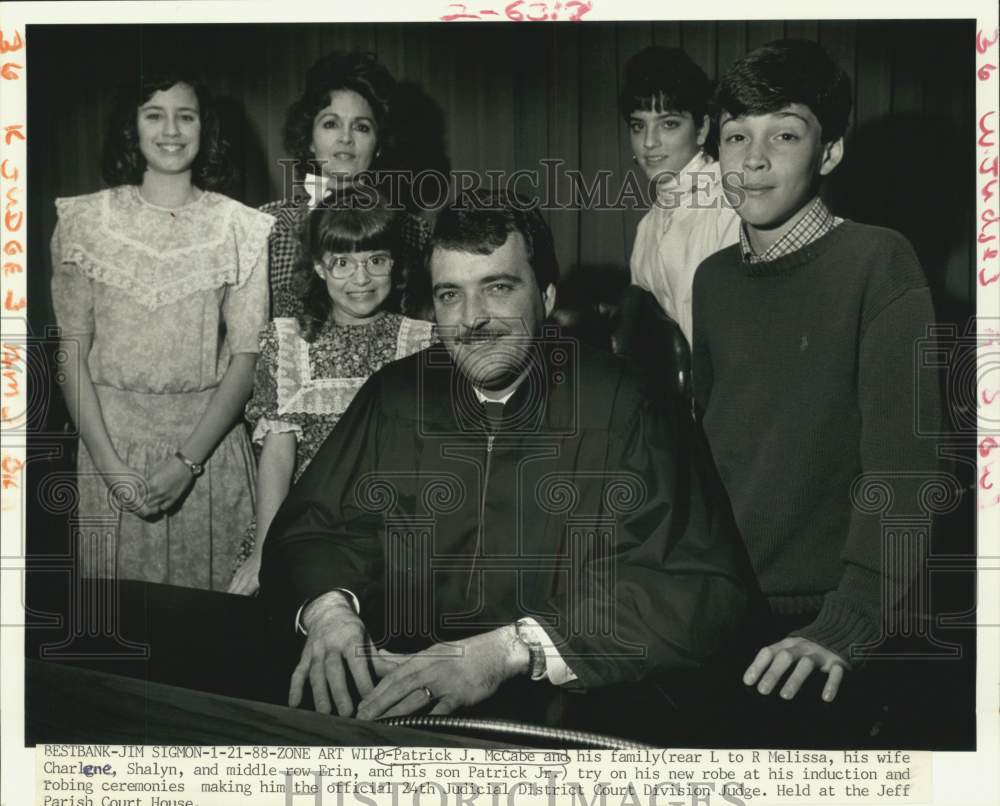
506	503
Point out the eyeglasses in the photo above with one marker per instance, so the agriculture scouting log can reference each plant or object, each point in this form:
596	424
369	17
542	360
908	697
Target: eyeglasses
343	266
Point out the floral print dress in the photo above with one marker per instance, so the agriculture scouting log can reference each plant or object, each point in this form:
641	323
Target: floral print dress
304	388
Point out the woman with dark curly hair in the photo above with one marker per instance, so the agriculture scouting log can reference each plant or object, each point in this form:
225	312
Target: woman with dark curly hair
161	285
335	133
313	362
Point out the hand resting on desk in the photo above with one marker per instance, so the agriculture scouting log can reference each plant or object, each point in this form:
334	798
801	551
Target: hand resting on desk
455	674
335	638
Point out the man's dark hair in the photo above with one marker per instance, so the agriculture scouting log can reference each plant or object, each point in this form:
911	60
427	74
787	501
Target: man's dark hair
788	71
658	78
481	223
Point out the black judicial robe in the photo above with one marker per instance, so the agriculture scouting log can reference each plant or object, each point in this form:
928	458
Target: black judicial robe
589	507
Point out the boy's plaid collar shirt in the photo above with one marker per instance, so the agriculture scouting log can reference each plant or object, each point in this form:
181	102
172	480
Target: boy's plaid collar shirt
817	222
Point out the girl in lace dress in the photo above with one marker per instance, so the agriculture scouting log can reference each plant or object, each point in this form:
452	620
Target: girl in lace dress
161	286
314	362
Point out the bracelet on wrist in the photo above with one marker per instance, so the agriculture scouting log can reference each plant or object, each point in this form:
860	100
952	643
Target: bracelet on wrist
196	468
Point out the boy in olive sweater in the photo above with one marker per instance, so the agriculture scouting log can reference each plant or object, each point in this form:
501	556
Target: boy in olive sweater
803	366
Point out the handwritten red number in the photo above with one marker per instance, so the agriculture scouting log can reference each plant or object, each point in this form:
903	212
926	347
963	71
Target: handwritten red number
983	73
460	14
983	44
15	44
580	7
987	398
986	446
541	13
512	13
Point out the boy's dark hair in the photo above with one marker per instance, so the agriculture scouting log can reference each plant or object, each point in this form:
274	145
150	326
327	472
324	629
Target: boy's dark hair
480	224
350	223
664	78
359	72
122	161
784	72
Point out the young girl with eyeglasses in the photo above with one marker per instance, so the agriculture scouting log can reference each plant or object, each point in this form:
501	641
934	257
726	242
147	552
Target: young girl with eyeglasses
314	362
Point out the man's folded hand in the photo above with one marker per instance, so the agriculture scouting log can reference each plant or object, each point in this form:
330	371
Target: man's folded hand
449	675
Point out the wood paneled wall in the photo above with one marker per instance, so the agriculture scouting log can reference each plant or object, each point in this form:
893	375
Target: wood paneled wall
512	95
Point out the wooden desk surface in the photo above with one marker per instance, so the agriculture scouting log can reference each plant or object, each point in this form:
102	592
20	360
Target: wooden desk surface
194	639
68	704
138	662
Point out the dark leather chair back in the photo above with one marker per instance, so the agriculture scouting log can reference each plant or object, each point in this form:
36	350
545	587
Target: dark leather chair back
596	305
643	333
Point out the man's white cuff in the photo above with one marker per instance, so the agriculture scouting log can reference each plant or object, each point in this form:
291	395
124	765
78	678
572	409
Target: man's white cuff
300	627
556	670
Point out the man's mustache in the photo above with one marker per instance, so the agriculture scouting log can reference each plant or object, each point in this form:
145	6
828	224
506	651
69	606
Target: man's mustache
459	334
474	336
